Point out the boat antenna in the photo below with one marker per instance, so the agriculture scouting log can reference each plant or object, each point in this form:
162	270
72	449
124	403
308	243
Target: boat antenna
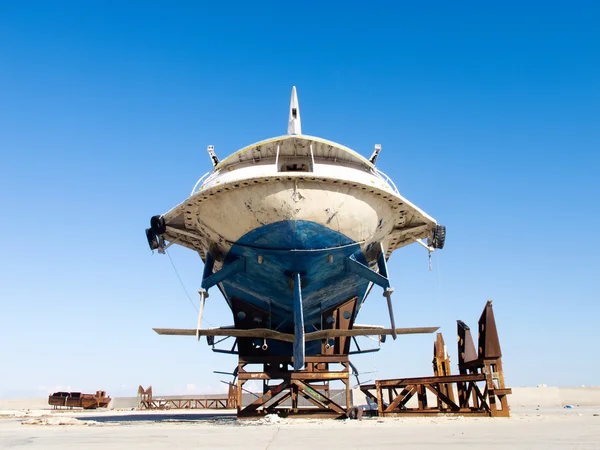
375	154
213	156
294	124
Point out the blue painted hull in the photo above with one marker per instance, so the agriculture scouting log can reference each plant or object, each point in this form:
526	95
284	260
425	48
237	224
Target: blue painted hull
262	295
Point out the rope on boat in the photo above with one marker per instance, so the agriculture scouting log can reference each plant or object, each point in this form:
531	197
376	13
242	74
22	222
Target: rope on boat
183	287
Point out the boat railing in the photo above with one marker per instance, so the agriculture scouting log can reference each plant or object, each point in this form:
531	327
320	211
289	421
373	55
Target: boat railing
206	178
388	180
198	182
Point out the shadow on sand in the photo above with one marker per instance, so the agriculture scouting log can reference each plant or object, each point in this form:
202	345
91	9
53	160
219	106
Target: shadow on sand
166	417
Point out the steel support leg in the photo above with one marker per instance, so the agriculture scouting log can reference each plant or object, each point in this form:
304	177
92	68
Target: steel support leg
203	296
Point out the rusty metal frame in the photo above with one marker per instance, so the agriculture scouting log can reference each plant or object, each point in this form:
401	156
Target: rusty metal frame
311	383
479	385
147	401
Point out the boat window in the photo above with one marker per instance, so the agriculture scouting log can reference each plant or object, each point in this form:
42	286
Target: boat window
294	167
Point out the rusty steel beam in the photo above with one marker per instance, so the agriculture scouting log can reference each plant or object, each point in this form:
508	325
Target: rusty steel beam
147	401
430	380
466	348
295	375
489	344
288	360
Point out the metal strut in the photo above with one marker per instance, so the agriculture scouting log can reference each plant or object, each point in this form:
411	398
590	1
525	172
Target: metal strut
387	292
380	279
203	296
210	279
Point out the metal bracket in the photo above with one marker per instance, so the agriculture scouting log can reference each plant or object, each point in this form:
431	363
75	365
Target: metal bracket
387	293
380	279
352	265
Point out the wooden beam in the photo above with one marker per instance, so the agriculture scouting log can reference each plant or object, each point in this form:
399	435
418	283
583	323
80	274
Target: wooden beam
230	332
324	334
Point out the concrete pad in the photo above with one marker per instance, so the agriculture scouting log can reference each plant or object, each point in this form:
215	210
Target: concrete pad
543	428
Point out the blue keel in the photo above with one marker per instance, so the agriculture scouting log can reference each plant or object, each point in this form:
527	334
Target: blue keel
298	324
284	276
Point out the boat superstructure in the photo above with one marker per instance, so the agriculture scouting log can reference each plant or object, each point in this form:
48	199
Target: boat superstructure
294	231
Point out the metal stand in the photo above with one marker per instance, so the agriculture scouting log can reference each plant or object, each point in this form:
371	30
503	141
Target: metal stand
441	368
284	397
147	401
487	363
480	384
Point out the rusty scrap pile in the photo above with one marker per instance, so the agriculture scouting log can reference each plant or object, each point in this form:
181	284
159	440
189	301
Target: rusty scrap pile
79	400
480	388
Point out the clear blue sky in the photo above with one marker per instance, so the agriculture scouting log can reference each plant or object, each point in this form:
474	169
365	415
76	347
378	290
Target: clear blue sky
488	117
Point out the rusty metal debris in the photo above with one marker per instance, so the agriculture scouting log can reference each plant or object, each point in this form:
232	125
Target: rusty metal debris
147	401
480	385
79	400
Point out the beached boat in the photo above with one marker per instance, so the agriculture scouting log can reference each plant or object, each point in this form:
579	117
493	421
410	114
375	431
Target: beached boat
294	231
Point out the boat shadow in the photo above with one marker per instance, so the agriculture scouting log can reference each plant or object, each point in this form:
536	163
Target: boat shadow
217	418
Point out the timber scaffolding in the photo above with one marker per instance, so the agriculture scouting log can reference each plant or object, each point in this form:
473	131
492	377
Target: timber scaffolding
479	386
147	401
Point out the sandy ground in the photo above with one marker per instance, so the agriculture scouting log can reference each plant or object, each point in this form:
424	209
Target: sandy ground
535	428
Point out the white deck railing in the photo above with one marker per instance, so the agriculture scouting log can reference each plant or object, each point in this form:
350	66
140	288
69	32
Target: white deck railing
198	182
388	180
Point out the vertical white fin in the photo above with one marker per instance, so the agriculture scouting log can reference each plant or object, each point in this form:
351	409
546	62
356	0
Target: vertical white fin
294	124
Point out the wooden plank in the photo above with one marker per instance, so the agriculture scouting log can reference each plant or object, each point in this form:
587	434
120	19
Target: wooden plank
231	332
324	334
289	337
